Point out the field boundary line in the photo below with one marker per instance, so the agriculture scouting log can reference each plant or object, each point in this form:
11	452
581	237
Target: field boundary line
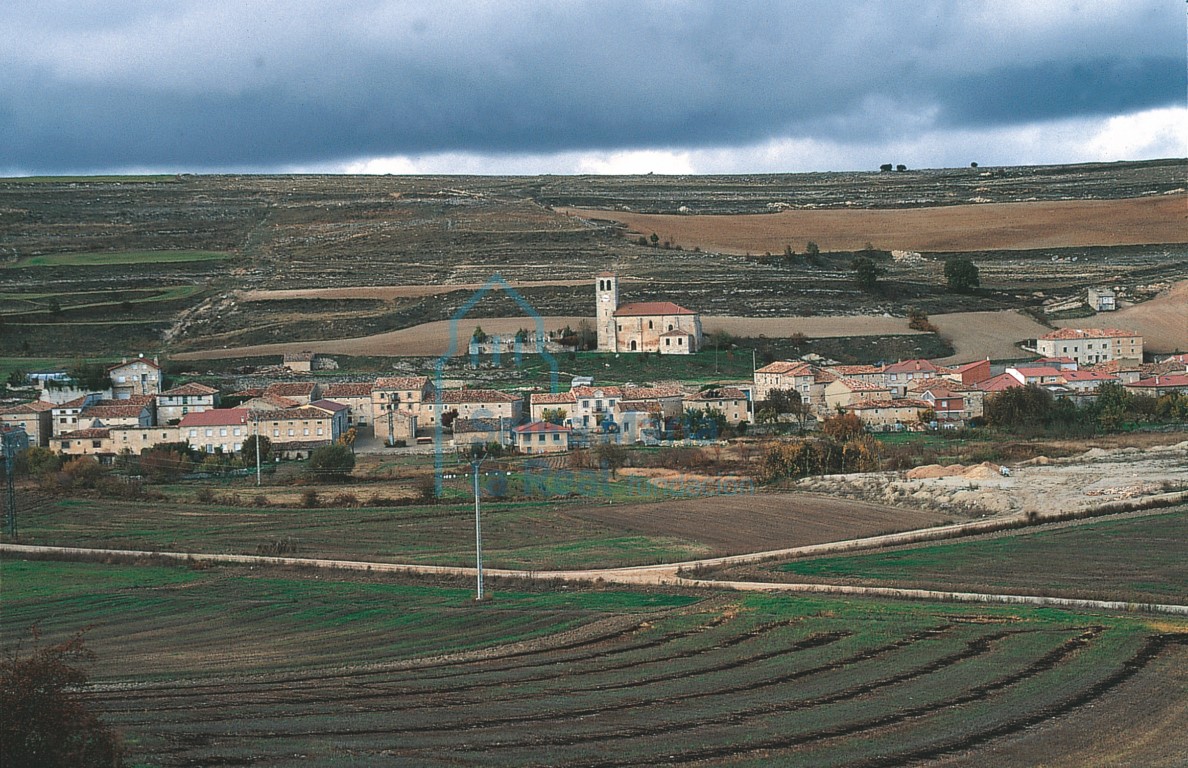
649	575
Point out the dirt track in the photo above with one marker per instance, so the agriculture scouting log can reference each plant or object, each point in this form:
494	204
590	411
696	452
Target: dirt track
989	226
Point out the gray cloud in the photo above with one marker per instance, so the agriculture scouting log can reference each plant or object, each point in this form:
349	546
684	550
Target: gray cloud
257	85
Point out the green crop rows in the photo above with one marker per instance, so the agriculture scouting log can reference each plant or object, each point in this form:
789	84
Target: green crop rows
285	670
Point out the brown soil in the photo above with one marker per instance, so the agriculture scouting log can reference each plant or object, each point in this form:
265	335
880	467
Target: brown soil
1163	321
1143	722
731	525
990	226
390	292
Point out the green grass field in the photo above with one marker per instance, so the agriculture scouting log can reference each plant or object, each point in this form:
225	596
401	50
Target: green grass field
1138	559
104	259
241	667
526	535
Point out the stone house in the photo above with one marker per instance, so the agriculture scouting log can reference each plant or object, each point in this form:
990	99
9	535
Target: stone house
729	401
845	391
886	414
399	394
173	404
221	430
301	392
1091	345
539	402
139	376
356	397
36	418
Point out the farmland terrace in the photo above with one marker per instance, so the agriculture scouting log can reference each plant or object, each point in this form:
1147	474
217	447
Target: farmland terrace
106	265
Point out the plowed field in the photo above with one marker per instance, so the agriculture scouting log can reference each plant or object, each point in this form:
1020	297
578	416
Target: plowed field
283	670
991	226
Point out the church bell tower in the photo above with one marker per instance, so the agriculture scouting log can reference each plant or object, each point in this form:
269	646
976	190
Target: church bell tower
607	301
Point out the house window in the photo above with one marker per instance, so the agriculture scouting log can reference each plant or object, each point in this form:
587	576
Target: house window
276	433
223	432
540	438
319	430
210	433
649	325
556	437
236	431
292	432
193	433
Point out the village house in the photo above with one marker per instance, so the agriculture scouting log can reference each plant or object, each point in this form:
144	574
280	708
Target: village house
1087	381
65	415
1160	385
298	362
93	441
1125	371
474	404
136	440
296	432
301	392
470	432
887	414
393	395
173	404
357	399
139	376
999	383
269	402
670	399
36	418
221	430
543	404
846	391
134	411
541	437
1091	345
593	405
638	421
731	402
969	374
951	402
337	411
1101	299
651	326
899	376
1041	375
792	376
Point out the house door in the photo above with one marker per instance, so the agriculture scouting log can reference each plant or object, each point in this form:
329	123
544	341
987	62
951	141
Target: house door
633	345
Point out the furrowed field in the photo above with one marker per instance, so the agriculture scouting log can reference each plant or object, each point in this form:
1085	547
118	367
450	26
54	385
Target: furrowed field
1137	559
222	667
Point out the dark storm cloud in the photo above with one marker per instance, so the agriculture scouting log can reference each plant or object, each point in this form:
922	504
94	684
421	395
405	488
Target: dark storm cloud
266	84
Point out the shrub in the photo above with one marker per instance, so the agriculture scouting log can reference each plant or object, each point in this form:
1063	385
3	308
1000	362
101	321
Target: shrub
260	500
47	719
349	500
426	488
309	499
205	495
331	463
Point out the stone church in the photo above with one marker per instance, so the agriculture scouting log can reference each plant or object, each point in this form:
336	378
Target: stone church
648	326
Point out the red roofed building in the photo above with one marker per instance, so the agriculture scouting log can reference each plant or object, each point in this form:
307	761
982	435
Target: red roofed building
1091	345
173	404
1160	385
36	418
541	437
650	326
140	376
217	430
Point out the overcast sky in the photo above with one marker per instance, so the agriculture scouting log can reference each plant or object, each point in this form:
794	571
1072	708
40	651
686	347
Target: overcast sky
606	86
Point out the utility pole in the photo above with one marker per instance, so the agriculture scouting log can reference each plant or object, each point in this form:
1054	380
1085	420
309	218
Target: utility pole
393	401
257	420
10	443
476	462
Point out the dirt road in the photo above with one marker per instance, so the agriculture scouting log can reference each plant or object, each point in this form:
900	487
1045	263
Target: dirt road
667	574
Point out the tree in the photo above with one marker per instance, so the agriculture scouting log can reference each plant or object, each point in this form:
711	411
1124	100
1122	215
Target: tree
17	378
554	415
961	275
1019	407
348	438
612	456
655	239
479	336
332	462
90	376
812	249
37	461
248	452
866	272
843	427
47	721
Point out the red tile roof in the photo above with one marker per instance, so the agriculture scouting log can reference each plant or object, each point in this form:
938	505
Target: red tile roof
329	405
787	367
347	389
1171	380
452	396
193	388
132	361
594	391
1088	333
721	393
539	426
401	382
291	388
216	417
82	434
913	366
649	308
552	398
901	403
998	383
858	385
36	406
